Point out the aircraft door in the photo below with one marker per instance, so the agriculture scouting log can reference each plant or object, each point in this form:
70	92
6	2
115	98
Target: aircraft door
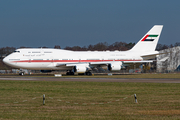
29	59
79	59
52	61
102	58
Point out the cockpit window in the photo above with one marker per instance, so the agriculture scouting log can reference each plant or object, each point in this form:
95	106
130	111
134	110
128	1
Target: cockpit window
16	51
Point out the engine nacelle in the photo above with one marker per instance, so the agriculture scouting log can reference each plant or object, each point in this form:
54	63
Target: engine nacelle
114	66
80	69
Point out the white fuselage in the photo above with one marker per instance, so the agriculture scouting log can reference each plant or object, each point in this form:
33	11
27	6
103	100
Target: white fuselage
84	61
47	59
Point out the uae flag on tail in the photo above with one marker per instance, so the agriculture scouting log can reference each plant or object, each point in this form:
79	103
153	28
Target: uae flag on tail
149	38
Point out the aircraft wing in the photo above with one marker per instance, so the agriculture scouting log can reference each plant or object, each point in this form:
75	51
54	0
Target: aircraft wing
68	64
143	61
88	63
124	63
104	63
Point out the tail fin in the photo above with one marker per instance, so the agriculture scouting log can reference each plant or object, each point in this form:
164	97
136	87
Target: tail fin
149	40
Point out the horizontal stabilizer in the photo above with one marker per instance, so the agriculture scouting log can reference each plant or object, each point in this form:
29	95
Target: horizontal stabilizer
152	56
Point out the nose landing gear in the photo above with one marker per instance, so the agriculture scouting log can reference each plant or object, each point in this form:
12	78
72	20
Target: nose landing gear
21	73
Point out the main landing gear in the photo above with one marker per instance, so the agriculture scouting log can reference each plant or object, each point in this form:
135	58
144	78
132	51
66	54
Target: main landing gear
70	73
88	73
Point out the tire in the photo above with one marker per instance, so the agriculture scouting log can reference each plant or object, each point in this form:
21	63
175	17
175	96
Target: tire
21	73
88	73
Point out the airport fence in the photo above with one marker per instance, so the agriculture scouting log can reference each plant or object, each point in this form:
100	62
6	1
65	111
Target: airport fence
55	99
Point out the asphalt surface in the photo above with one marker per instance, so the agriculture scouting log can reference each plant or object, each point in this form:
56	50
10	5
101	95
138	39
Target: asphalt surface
138	80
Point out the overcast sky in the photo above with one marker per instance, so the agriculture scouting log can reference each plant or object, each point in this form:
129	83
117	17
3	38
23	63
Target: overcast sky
38	23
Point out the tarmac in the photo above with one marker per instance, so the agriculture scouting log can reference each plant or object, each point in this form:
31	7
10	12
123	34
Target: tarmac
135	80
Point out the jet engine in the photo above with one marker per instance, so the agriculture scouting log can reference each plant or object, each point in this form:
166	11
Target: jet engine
114	66
80	69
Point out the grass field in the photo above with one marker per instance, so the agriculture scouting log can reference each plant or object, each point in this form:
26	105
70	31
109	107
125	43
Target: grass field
88	100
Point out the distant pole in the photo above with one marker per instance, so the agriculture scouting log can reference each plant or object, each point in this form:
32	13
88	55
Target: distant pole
43	99
135	98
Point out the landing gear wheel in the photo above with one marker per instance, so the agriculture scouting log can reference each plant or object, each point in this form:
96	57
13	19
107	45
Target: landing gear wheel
88	73
21	73
70	73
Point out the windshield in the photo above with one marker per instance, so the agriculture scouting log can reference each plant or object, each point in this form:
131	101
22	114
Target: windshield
16	51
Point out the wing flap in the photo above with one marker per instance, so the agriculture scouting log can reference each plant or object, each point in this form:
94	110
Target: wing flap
101	63
70	64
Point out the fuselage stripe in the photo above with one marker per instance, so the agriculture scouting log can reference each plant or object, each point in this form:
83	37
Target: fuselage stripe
44	61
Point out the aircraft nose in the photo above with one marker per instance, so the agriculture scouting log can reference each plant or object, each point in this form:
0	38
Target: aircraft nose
5	60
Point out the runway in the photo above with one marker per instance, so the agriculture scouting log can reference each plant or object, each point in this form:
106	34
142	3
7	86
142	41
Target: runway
138	80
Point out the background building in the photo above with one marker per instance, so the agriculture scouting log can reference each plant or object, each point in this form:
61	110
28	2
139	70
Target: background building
170	61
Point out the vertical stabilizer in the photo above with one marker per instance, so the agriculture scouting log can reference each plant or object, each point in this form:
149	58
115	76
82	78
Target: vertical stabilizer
149	41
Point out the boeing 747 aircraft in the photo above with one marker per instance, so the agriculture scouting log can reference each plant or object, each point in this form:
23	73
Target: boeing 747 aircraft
85	61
